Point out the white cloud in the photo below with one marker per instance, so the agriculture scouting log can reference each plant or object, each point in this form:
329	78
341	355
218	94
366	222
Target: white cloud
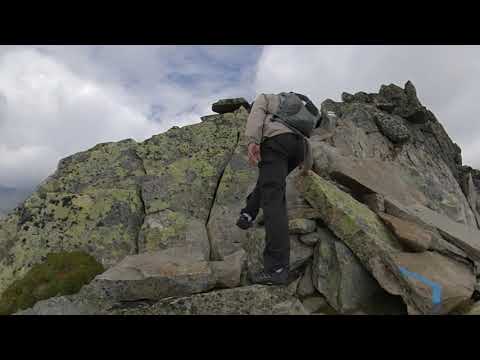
58	100
446	79
50	112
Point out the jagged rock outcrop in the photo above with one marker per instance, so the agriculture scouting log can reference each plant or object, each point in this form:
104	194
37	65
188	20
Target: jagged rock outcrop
470	183
424	169
385	257
387	217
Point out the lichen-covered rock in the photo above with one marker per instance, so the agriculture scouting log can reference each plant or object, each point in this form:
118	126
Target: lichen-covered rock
247	300
62	305
237	181
319	234
92	203
405	101
183	168
119	199
301	226
393	128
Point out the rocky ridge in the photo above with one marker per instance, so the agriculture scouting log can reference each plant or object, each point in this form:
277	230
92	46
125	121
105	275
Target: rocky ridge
386	223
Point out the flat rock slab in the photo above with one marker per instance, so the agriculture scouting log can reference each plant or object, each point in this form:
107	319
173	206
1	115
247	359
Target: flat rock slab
366	176
465	237
173	272
229	105
62	305
412	235
247	300
437	279
382	255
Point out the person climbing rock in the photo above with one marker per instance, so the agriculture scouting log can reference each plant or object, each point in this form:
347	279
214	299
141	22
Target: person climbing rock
277	130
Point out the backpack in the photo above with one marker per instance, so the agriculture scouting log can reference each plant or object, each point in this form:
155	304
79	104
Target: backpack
293	113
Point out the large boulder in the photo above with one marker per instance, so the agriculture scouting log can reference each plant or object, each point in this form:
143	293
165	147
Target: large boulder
345	283
230	105
92	203
172	272
413	236
124	198
434	278
146	277
384	256
183	169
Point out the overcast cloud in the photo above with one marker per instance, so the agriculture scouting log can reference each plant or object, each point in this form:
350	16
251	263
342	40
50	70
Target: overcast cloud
58	100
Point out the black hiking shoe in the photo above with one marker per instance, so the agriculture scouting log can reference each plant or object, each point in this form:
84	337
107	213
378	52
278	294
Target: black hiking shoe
278	277
245	221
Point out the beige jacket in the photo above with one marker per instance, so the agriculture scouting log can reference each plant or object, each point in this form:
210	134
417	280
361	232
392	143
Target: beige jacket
260	126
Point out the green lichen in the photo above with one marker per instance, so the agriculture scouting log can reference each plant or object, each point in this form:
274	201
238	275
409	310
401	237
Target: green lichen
173	229
61	273
349	219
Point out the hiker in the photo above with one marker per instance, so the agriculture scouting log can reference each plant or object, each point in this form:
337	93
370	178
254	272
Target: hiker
277	128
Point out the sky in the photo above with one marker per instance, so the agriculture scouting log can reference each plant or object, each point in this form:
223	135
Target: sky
59	100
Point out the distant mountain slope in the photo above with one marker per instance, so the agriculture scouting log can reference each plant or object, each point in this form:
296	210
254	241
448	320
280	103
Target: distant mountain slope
11	197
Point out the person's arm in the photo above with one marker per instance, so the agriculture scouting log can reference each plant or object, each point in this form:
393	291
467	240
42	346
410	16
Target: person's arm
256	120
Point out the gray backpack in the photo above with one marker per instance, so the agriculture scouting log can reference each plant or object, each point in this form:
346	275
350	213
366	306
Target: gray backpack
293	113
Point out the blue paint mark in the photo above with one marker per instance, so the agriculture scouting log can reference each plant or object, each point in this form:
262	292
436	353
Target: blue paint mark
436	288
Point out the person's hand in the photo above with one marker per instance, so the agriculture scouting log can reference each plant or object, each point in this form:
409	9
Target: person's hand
253	154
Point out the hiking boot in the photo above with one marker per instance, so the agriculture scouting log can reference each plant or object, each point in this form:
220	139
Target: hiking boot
245	221
277	277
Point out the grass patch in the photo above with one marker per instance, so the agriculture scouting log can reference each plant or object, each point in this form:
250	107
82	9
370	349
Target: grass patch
62	273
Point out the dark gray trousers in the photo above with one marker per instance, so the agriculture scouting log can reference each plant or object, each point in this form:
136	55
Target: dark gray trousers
279	156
